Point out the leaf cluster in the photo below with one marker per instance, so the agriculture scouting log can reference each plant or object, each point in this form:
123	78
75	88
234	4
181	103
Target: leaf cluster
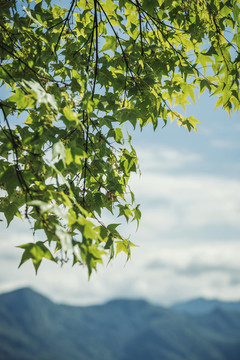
74	77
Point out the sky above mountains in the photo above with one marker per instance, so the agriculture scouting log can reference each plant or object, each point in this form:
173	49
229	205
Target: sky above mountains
189	236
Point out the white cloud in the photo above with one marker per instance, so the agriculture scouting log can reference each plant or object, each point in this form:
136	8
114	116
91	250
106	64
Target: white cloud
167	266
159	158
224	144
188	201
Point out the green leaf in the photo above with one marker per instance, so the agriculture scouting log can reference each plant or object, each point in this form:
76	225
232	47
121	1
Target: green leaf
64	237
44	206
69	114
111	43
36	252
112	229
21	99
124	246
10	211
118	135
42	96
137	215
109	242
150	5
59	150
9	179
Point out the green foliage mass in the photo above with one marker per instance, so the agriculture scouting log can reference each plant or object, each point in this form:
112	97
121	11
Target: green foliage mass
73	78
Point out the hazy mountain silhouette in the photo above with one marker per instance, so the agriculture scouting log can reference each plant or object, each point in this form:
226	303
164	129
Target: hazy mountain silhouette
33	327
204	306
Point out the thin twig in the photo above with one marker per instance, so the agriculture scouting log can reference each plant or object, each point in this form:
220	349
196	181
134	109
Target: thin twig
65	23
140	25
86	159
96	32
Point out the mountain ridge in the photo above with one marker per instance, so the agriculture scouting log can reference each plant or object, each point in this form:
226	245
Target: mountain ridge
32	326
202	306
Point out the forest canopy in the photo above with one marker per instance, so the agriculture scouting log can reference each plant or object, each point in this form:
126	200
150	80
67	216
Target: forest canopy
72	75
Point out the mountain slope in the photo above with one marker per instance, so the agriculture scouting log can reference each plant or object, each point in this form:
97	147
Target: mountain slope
203	306
33	327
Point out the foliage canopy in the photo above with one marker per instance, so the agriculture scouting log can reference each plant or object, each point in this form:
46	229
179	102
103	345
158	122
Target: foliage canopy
73	76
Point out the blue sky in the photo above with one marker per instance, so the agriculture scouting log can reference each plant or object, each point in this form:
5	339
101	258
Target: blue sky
189	236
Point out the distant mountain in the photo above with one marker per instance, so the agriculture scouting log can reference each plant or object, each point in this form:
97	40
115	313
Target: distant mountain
204	306
33	327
